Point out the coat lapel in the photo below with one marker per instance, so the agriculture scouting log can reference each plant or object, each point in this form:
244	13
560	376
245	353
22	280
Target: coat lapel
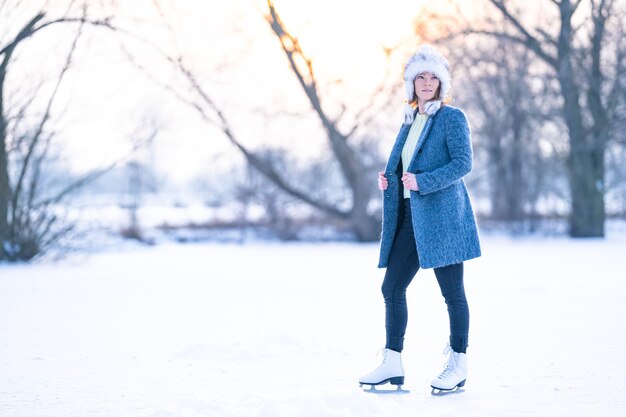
396	152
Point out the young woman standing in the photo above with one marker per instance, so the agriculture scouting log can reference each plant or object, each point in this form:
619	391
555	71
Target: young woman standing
428	221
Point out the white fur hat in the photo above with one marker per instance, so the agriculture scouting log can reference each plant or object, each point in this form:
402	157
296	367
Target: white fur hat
426	59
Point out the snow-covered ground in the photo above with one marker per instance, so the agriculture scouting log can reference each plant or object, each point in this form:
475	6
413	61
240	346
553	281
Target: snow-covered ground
275	330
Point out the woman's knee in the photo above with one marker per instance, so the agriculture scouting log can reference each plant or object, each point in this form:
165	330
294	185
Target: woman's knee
450	280
387	289
392	291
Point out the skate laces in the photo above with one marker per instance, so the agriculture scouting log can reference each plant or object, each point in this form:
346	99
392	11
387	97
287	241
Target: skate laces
380	356
450	365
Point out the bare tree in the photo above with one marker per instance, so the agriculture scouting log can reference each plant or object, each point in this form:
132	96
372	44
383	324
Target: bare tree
357	176
588	62
30	222
507	110
366	225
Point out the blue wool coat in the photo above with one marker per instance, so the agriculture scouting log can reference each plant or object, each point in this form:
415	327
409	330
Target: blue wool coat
443	220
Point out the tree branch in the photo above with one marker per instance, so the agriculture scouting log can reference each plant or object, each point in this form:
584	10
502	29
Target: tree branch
219	120
529	40
24	33
617	89
598	111
291	47
351	166
45	117
266	169
30	29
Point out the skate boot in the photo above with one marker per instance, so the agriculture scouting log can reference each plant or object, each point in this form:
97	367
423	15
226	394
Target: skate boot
454	373
390	370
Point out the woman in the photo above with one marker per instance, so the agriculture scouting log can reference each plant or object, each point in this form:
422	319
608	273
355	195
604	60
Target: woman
428	220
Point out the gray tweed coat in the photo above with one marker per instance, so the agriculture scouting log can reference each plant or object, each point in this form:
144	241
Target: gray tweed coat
443	220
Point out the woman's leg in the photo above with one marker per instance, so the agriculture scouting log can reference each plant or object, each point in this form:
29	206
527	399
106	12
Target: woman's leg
450	280
401	268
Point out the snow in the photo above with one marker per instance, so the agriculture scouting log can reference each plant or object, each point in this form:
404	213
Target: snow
284	330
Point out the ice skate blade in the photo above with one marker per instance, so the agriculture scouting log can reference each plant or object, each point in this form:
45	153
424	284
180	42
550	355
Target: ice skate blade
397	381
373	390
438	392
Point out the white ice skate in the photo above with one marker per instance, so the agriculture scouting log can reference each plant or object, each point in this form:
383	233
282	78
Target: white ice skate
390	370
454	374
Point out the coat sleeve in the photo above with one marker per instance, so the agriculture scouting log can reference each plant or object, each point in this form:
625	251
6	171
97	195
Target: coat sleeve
460	149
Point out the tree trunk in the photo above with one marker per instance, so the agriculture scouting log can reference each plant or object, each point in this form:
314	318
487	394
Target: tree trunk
366	226
498	180
585	160
586	178
5	192
517	190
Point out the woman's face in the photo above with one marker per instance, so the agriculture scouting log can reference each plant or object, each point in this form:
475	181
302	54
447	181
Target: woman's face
426	85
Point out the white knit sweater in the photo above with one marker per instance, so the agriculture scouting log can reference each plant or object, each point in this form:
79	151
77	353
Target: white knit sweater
411	143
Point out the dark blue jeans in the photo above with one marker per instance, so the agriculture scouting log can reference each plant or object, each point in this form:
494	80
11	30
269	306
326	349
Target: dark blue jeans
402	266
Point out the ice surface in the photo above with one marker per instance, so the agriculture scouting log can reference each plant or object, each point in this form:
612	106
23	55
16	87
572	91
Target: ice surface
283	330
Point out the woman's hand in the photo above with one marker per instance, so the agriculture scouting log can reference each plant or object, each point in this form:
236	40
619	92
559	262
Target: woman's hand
409	181
382	181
